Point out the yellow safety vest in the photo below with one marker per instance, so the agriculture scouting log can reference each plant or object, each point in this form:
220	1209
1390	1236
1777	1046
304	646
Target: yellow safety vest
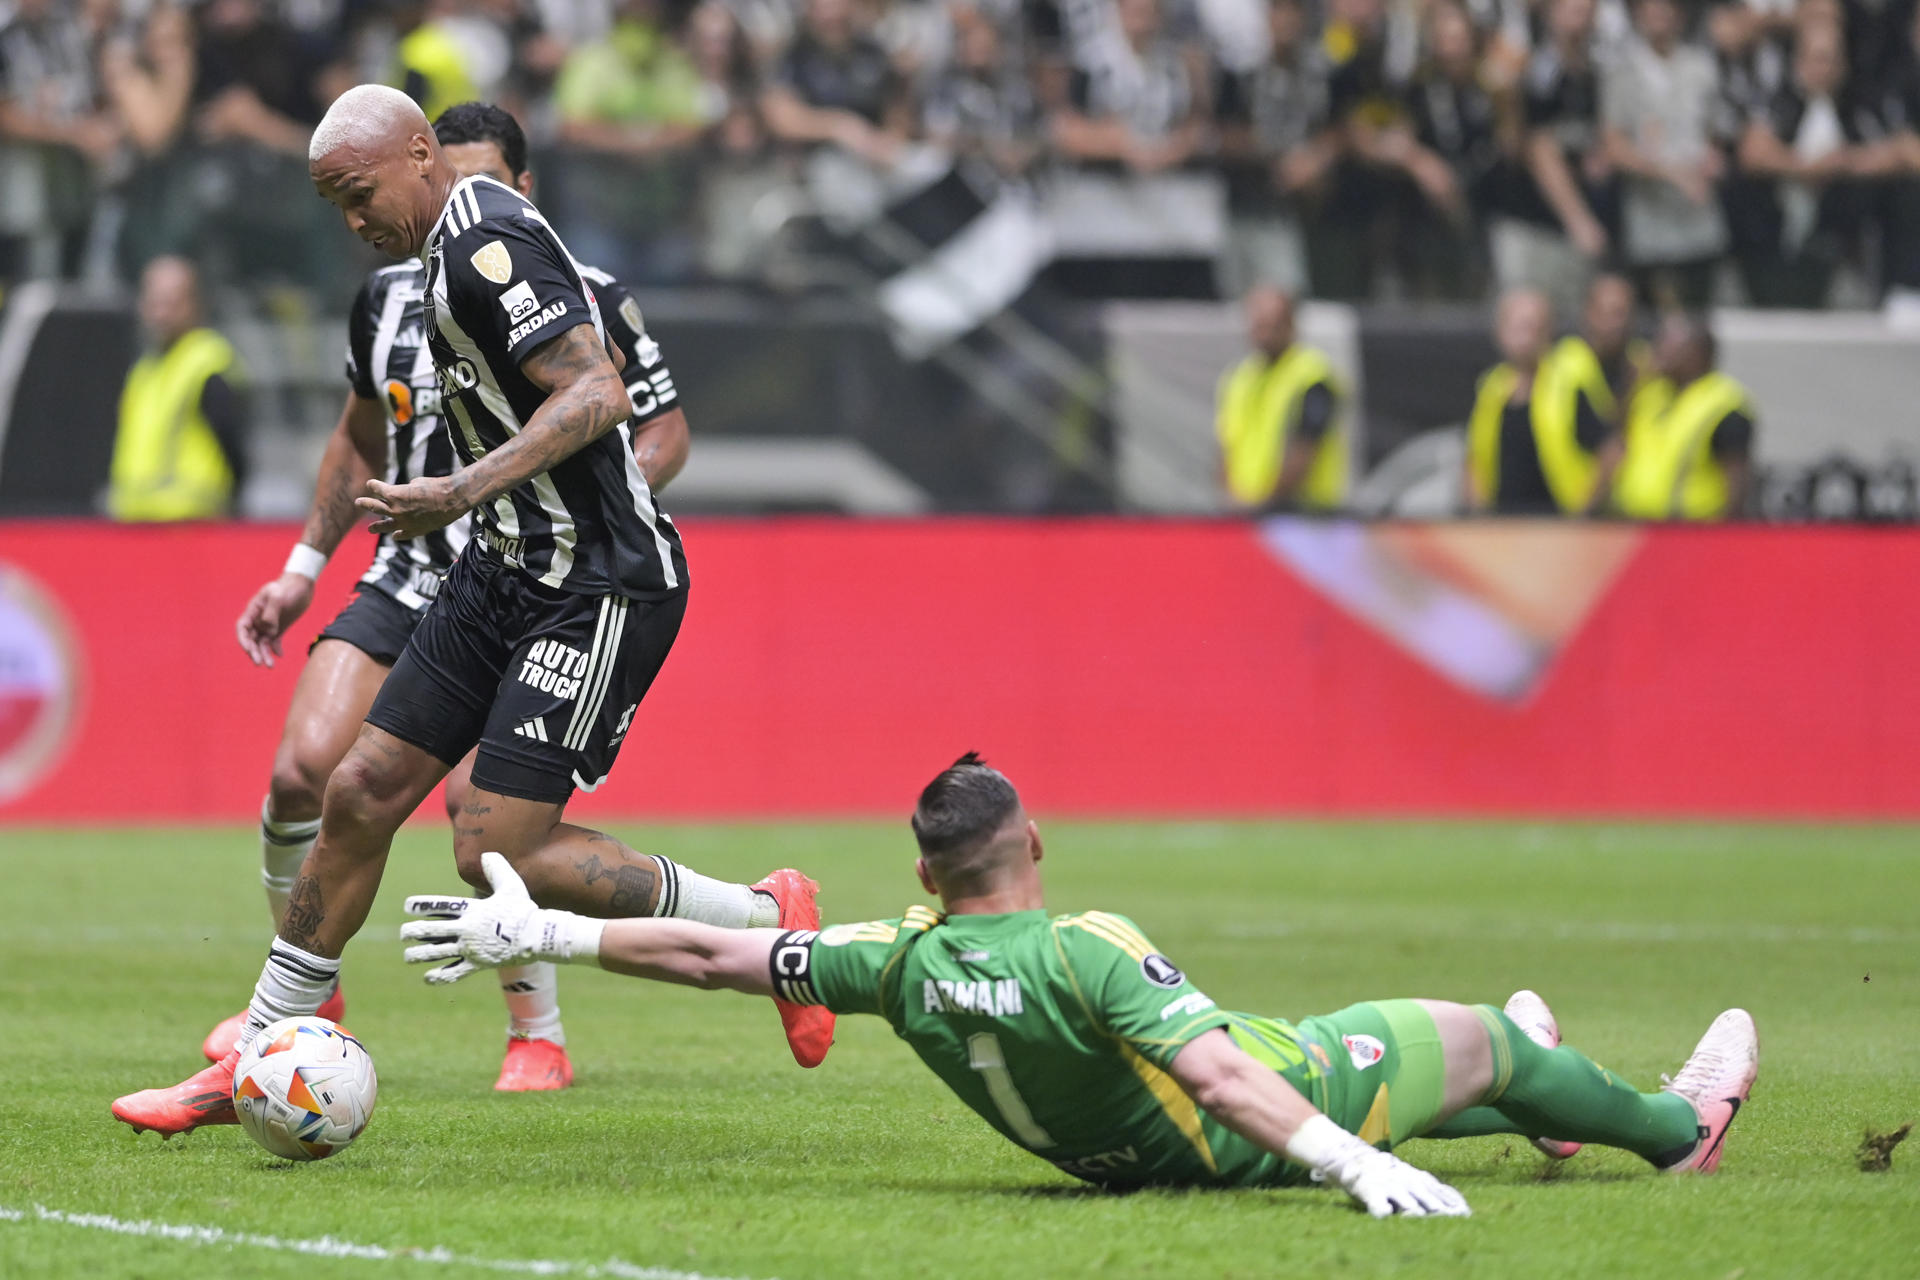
1553	409
1669	472
167	463
431	52
1259	402
1573	364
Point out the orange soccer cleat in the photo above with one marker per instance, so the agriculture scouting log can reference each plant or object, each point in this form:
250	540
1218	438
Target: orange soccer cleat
225	1037
534	1065
809	1028
206	1097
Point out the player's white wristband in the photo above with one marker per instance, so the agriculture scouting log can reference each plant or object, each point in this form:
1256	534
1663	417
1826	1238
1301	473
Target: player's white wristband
1321	1144
306	561
568	938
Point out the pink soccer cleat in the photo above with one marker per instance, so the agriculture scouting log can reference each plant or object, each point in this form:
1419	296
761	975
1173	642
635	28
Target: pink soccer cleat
225	1037
809	1028
1530	1013
533	1066
1717	1079
206	1097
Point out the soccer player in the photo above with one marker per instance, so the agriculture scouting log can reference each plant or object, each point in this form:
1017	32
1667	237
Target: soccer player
1078	1040
391	428
547	631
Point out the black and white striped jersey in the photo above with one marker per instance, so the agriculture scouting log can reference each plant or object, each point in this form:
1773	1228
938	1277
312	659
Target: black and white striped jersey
499	284
388	360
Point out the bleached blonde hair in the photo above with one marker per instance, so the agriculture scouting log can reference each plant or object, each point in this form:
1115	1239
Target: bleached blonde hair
366	110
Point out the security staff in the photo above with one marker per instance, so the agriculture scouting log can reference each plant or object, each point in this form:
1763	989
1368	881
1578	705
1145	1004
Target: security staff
1535	438
1689	435
178	454
1607	364
1282	445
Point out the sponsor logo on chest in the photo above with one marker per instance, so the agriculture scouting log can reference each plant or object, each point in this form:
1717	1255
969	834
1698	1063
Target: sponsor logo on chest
456	377
405	402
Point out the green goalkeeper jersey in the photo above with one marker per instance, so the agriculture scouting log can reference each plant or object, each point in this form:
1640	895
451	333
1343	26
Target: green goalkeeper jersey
1057	1031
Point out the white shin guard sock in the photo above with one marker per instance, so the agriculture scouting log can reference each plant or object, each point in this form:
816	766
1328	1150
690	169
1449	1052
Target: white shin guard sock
532	993
293	984
283	847
688	895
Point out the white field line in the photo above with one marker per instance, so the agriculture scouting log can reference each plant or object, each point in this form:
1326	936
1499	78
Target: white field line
163	934
333	1247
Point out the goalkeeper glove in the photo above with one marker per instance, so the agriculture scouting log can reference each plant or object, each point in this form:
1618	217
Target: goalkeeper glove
485	933
1383	1184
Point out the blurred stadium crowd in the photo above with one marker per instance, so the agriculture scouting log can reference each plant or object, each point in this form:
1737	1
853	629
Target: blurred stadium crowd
1758	151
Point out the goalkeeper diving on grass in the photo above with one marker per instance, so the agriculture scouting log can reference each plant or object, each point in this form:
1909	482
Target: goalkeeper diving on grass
1075	1038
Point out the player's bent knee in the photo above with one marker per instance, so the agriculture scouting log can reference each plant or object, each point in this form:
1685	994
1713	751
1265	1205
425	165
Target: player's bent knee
466	860
369	793
459	789
298	786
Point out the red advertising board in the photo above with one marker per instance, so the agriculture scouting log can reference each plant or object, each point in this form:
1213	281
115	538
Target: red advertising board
1113	667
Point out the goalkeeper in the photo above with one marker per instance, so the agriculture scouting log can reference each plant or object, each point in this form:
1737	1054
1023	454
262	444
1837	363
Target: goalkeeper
1079	1041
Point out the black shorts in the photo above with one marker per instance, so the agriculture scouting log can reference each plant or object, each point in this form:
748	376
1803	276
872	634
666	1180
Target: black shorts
545	681
374	623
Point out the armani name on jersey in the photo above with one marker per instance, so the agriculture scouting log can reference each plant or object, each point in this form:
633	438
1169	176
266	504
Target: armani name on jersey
499	283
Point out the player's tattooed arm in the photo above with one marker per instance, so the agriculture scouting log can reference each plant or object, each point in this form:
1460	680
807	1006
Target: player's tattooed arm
585	400
355	454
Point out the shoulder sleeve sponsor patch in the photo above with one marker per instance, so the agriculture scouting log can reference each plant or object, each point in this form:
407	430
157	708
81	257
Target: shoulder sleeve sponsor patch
493	261
518	302
1160	971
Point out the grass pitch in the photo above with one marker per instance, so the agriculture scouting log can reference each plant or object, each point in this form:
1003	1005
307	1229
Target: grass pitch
692	1144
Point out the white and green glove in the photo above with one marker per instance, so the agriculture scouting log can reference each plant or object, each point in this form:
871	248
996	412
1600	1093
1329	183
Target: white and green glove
485	933
1383	1184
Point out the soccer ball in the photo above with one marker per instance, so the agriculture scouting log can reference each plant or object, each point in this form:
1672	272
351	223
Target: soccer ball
304	1088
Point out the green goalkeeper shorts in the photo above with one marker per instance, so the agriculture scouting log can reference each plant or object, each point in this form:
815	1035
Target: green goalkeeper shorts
1385	1074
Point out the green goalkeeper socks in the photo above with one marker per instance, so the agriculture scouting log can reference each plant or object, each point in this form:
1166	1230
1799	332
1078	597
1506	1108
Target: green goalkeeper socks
1561	1093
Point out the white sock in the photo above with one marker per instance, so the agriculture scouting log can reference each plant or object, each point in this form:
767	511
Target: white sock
293	984
283	847
688	895
532	993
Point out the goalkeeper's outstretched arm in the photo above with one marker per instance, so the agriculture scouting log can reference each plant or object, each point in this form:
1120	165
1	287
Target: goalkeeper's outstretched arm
691	954
507	928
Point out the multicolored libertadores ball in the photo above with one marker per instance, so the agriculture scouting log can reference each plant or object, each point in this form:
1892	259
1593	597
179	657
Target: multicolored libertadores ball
304	1088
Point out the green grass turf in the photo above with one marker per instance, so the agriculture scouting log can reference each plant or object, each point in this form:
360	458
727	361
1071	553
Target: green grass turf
691	1141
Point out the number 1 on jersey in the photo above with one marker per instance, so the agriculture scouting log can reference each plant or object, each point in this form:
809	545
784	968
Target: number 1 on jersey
984	1056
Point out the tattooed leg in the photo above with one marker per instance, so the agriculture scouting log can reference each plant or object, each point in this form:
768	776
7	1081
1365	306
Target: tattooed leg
576	869
370	794
564	865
